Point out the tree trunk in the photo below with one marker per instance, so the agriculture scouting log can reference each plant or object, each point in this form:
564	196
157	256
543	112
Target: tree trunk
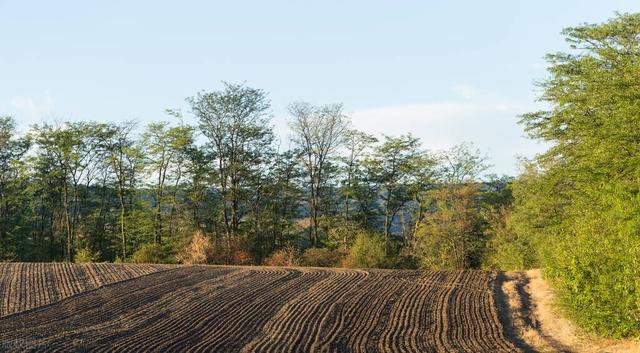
346	208
158	219
67	219
100	221
346	221
122	232
387	223
122	214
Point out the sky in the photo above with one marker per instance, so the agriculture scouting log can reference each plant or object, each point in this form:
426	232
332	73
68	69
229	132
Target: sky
446	71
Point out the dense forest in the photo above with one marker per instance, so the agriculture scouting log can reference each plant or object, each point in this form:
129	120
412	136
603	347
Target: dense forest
115	192
226	191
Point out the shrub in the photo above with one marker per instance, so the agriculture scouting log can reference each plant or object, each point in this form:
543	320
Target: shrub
405	262
7	256
342	236
506	249
322	257
283	257
239	249
597	268
232	251
150	253
85	254
199	250
367	252
451	237
241	257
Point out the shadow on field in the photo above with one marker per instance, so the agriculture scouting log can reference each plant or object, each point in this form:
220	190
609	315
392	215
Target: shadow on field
518	314
511	330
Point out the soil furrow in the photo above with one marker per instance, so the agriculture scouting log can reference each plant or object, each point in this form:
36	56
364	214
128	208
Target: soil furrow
156	308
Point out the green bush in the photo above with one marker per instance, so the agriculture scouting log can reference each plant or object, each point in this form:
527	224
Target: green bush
7	255
591	255
367	251
451	236
85	254
403	262
506	249
582	195
597	269
151	253
322	257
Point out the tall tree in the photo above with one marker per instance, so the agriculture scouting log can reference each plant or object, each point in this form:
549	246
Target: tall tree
451	236
236	122
397	165
461	163
165	148
318	132
124	159
356	144
450	233
64	145
12	149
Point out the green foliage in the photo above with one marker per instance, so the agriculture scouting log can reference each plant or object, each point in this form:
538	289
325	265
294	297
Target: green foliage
236	122
322	257
13	198
85	254
368	251
7	256
506	249
577	204
596	265
523	234
166	149
151	253
401	171
451	236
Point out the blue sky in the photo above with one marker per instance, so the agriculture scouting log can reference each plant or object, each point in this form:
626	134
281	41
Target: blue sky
446	71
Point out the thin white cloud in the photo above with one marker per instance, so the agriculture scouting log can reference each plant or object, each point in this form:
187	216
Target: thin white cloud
24	105
443	122
466	91
490	124
27	109
539	65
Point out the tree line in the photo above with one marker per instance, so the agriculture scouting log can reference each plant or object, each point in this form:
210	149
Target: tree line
95	191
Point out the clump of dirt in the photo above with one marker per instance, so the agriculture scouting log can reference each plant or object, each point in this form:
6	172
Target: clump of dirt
537	322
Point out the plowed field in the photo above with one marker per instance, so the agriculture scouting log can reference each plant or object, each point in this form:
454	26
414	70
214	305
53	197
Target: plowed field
125	308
